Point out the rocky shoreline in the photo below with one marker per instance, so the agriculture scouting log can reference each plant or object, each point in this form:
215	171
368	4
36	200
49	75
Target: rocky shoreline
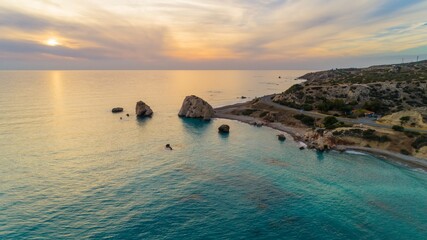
298	134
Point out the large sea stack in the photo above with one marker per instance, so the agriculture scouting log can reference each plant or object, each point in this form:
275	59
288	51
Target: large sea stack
195	107
143	110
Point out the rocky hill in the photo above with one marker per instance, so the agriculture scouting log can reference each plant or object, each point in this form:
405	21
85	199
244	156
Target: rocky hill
381	89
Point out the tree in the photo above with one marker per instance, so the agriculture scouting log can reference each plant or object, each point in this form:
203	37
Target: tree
329	122
398	128
404	119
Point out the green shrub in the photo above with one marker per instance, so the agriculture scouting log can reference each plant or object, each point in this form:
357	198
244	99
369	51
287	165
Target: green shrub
405	152
307	107
336	104
398	128
330	122
294	88
263	114
368	134
306	120
420	142
376	106
404	119
411	134
248	111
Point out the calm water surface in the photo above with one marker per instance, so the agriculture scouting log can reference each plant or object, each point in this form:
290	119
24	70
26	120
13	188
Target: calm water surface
70	169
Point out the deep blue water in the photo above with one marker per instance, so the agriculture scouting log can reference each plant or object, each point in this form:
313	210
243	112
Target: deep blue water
70	169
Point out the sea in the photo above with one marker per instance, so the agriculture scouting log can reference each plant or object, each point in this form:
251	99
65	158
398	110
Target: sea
71	169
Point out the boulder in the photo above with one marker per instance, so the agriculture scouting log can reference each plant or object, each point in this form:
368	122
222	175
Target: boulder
117	110
143	110
224	128
281	137
195	107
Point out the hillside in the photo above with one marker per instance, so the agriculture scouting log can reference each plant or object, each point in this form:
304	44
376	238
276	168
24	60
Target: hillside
352	92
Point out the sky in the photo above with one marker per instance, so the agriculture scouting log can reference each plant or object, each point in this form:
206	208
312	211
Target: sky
210	34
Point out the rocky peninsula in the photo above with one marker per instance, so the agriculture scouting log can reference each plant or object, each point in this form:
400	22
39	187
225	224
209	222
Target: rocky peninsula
350	109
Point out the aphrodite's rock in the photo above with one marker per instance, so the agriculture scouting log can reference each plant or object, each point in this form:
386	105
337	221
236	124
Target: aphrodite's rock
224	128
195	107
117	110
320	141
281	137
143	110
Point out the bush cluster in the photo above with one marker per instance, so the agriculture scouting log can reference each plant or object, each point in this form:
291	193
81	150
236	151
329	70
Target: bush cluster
420	142
398	128
306	120
368	134
336	104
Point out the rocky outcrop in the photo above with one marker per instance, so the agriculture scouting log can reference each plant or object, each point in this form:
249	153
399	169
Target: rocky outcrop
404	118
143	110
224	128
319	140
117	110
195	107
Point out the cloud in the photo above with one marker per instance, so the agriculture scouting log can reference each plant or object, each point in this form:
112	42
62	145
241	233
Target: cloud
190	33
13	19
79	40
389	7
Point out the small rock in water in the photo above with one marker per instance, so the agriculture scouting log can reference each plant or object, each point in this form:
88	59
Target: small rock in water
243	97
168	146
117	110
127	114
301	148
224	128
281	137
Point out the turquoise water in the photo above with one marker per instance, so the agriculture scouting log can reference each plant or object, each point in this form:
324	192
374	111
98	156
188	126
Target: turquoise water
70	169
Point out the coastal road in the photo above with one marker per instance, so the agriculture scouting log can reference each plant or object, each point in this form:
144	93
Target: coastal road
365	121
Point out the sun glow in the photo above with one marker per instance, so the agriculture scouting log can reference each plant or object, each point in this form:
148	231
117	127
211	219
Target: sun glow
52	42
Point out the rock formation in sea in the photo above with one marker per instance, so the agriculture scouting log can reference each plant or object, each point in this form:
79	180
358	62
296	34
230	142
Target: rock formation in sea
195	107
117	110
143	110
224	128
319	139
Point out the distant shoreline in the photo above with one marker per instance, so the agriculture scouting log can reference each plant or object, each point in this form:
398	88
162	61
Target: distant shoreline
297	134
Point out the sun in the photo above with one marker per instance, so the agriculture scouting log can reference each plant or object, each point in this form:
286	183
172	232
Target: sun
52	42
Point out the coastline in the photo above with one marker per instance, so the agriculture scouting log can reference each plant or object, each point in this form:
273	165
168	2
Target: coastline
297	134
